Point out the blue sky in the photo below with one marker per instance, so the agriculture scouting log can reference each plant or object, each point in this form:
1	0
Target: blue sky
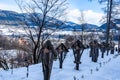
86	5
80	4
92	9
7	1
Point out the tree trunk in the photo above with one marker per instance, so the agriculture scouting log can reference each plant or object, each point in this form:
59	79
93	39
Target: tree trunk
109	19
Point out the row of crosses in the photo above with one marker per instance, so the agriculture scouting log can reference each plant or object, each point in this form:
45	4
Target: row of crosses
49	53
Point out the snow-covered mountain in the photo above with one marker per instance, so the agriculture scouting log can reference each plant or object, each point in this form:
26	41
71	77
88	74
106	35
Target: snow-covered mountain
10	17
78	27
113	25
13	18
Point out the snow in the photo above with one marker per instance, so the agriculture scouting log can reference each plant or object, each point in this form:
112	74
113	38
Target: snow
10	30
109	69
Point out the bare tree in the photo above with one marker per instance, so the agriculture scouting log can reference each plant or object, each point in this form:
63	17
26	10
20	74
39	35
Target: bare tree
82	22
3	60
44	15
112	8
109	12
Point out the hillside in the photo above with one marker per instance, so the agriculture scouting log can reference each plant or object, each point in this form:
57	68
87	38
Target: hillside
11	18
109	69
114	25
77	27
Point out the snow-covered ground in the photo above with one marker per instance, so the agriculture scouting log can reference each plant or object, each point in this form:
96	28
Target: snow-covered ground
107	68
10	30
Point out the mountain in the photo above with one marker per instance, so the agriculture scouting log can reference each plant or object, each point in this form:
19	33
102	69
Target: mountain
10	17
90	26
114	25
78	27
13	19
104	26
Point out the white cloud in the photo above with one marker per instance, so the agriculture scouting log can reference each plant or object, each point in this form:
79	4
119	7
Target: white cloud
9	7
73	14
89	16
